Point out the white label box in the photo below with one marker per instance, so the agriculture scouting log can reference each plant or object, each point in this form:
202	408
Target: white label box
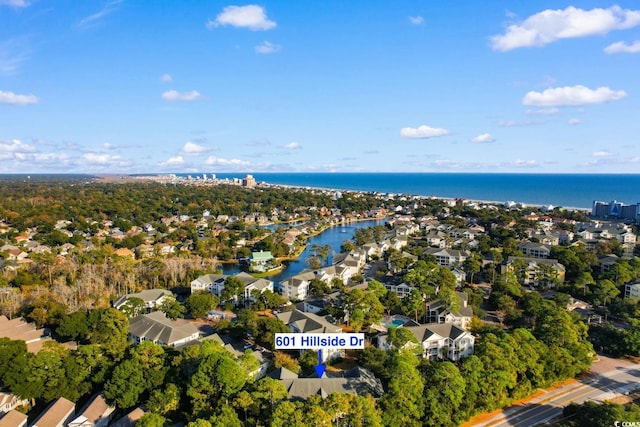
338	341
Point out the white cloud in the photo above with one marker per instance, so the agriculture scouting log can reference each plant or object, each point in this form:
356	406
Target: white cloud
485	137
267	47
423	131
293	145
515	123
416	20
524	163
100	159
601	153
251	16
15	146
573	121
622	47
173	161
174	95
217	161
543	112
90	20
15	99
193	149
572	96
14	3
166	78
550	25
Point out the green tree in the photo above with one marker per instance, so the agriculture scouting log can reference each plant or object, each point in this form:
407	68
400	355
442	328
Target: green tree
403	403
200	303
172	308
126	384
73	326
151	419
444	393
218	377
133	307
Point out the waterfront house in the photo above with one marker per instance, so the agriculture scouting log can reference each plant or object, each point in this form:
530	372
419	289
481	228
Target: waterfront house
261	261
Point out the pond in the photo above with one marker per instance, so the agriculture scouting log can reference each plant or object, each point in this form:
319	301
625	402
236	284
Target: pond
333	236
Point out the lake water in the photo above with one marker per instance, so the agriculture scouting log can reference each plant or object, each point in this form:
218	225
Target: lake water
333	236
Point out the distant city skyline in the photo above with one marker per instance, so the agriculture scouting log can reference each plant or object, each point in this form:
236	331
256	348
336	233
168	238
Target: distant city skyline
132	86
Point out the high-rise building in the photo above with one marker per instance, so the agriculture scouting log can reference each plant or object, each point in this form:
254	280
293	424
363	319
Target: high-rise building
616	210
249	181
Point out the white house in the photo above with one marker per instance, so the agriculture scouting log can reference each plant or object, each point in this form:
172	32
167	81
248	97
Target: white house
439	341
152	298
632	290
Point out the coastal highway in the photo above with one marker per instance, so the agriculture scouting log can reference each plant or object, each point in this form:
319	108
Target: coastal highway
609	378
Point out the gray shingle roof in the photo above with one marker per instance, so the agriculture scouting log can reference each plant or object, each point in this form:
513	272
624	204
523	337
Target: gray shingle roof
156	327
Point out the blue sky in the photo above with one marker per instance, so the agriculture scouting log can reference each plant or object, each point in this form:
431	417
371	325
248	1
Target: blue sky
126	86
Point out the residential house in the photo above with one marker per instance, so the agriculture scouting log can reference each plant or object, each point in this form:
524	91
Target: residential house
436	239
239	348
608	261
535	271
130	419
318	304
301	322
152	298
57	414
439	341
297	287
96	413
158	328
438	312
632	290
261	261
13	418
448	257
213	283
125	253
20	329
144	251
253	284
534	250
402	289
10	401
358	380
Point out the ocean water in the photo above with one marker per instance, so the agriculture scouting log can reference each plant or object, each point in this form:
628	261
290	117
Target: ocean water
567	190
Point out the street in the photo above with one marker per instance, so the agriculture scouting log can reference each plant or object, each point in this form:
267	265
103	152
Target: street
609	378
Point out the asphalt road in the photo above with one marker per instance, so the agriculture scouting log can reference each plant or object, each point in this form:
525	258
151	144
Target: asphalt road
620	377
